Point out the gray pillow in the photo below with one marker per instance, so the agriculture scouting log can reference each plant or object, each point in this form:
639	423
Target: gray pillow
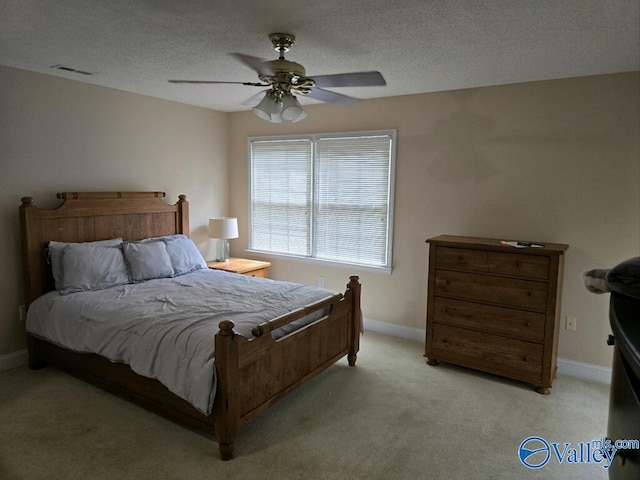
185	256
164	238
55	255
147	260
86	267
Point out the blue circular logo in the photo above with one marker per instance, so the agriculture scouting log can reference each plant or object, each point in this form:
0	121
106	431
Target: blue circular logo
534	452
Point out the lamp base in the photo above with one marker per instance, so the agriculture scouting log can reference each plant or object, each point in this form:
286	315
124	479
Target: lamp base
222	250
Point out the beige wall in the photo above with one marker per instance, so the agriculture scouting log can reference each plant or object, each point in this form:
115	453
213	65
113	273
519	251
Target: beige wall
555	161
62	135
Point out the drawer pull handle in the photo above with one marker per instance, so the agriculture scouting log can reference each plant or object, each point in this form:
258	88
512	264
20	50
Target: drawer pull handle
444	340
518	264
525	358
461	258
528	324
529	294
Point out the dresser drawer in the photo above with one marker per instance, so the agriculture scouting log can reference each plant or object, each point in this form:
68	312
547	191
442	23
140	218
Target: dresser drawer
461	259
512	264
529	266
512	292
486	351
489	318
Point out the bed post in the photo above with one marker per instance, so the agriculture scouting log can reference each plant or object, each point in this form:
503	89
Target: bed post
355	326
31	268
30	251
226	401
183	215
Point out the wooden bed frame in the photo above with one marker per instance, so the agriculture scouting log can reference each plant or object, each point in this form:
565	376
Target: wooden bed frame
252	373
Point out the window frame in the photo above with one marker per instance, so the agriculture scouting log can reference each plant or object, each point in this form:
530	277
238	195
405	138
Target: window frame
311	259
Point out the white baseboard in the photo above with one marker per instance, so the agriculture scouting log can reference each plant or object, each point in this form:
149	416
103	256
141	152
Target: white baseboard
408	333
586	371
13	360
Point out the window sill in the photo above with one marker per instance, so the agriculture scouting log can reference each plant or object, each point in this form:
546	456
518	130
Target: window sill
353	268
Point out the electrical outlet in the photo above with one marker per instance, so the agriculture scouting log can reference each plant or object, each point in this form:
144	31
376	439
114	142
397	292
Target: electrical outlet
321	282
572	323
22	311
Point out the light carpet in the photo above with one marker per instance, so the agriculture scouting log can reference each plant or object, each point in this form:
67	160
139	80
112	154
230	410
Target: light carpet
390	417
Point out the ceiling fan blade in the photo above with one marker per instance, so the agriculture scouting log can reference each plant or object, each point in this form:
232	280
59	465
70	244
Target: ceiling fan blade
258	64
253	84
356	79
331	97
254	99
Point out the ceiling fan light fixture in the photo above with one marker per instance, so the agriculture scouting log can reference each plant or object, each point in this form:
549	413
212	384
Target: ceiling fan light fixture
276	118
302	116
291	108
269	108
277	106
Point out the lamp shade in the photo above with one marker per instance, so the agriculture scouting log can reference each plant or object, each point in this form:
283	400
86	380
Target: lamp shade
291	109
225	227
269	108
302	116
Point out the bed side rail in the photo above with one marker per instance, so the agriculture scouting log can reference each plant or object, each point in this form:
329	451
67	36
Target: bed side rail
282	320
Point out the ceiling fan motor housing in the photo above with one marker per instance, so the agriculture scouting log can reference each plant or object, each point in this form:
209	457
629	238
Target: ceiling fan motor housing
288	76
285	66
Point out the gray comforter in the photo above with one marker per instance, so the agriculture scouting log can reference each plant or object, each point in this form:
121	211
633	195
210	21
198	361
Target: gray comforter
164	329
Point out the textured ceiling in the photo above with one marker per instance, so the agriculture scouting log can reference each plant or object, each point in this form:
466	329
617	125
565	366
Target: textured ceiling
418	45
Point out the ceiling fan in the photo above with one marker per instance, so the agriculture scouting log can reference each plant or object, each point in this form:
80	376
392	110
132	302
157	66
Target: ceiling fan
286	79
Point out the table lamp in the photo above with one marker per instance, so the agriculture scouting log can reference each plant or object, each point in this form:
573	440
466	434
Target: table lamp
223	229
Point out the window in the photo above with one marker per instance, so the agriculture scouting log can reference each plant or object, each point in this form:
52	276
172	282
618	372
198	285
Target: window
327	197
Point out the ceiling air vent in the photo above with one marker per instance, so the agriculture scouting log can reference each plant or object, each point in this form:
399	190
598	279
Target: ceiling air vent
69	69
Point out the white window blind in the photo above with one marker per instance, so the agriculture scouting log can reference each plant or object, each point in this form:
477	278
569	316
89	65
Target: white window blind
352	199
281	187
324	196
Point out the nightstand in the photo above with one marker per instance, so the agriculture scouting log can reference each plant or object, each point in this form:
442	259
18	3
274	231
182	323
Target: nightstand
244	266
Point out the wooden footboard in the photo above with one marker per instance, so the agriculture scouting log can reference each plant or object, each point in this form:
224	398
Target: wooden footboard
255	373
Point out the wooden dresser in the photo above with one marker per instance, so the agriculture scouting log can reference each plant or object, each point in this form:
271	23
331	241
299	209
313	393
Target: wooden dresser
494	307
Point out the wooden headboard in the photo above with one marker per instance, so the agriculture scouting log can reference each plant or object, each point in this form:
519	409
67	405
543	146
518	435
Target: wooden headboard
89	216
